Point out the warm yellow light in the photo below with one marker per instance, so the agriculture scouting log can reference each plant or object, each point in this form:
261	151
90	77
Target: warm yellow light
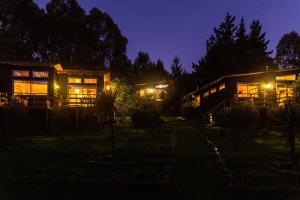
162	86
77	91
268	85
108	87
56	86
150	90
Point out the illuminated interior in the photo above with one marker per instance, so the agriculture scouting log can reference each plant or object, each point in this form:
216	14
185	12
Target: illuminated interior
214	90
21	73
222	86
40	74
247	89
90	80
284	91
81	95
30	87
290	77
74	80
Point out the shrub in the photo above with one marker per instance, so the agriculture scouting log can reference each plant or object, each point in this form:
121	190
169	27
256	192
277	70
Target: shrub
242	115
189	111
16	119
146	115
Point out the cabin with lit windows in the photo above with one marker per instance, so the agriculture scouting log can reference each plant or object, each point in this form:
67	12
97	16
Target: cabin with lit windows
266	88
156	91
50	85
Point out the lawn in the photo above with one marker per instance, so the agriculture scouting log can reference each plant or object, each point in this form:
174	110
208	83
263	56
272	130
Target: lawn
175	148
257	153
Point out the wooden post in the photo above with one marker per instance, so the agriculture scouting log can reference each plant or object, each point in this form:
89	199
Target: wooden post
77	117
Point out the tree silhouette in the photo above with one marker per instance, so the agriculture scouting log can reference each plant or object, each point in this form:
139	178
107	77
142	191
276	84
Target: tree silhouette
176	68
288	50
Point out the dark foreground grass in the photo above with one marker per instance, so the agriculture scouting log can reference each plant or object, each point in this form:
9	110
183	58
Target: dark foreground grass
176	145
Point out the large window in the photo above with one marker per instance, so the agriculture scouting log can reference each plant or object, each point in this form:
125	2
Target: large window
81	95
40	74
247	89
30	87
20	73
90	81
74	80
289	77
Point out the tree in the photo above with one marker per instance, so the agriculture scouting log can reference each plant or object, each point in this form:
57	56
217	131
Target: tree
62	33
231	50
144	70
105	110
19	22
258	45
219	50
288	115
241	48
176	68
288	50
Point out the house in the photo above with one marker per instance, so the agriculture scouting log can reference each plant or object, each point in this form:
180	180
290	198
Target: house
266	88
50	85
153	90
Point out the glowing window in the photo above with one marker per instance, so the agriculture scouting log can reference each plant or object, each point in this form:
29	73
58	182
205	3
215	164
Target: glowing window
74	80
222	86
40	74
214	90
206	94
20	73
39	87
247	89
21	87
90	80
28	88
142	93
290	77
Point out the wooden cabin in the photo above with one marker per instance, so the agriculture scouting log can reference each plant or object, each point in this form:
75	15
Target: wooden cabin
153	90
50	85
267	88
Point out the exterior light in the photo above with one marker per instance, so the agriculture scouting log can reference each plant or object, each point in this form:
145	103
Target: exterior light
150	90
162	86
108	87
268	86
56	86
77	91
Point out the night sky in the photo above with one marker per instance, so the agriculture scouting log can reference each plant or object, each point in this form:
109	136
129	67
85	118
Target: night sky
165	28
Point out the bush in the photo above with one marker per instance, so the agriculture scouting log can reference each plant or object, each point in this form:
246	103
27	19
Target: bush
16	119
146	115
243	115
189	111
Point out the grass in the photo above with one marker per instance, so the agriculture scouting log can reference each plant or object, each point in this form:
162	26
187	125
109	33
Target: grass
252	152
176	144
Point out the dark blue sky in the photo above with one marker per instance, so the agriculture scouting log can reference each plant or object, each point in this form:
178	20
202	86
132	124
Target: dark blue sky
165	28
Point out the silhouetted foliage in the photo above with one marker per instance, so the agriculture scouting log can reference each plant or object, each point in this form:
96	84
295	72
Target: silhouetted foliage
144	70
176	68
288	50
231	50
62	33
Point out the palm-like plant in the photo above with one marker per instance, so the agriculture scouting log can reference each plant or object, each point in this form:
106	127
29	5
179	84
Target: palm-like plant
107	106
289	115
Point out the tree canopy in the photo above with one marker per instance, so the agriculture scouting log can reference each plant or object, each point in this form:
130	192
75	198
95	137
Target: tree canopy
145	70
288	50
230	49
62	32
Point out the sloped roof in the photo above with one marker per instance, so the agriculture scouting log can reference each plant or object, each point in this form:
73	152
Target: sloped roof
240	75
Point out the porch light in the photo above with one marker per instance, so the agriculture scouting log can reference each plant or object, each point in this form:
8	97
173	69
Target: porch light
268	86
108	87
77	91
150	90
162	86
